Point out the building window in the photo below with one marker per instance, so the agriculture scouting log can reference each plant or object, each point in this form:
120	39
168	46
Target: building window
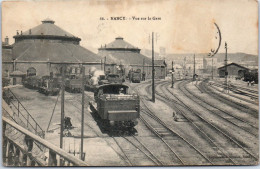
31	71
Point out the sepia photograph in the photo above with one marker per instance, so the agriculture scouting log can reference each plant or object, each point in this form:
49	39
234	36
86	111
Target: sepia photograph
130	83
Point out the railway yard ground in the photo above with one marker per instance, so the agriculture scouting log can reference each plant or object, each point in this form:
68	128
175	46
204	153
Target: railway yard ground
194	123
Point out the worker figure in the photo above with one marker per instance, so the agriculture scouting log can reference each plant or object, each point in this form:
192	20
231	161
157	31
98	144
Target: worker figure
247	83
143	76
67	122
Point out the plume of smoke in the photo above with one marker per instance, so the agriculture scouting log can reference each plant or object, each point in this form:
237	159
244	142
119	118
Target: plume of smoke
94	80
95	75
92	70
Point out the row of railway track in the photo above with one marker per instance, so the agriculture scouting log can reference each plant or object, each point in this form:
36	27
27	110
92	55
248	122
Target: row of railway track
206	125
182	110
180	148
233	103
242	93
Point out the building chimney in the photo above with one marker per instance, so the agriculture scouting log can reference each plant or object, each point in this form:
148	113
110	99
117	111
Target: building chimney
17	32
21	32
30	31
7	40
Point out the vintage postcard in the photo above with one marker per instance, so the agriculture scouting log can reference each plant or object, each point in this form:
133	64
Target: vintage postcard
130	83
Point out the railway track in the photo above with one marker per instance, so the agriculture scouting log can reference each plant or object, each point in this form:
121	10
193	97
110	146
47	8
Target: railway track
138	154
171	139
252	91
181	109
207	127
230	102
224	115
238	91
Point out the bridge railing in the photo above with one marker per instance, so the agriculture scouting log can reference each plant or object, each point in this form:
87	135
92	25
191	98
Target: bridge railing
22	113
17	154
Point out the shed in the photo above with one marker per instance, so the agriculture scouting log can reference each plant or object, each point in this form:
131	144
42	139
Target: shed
17	77
233	69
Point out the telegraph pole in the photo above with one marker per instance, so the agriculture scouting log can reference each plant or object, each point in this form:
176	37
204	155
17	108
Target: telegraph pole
153	89
82	112
62	106
194	68
172	75
226	73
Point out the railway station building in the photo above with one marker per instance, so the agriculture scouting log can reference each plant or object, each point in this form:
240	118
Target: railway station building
44	49
121	53
233	69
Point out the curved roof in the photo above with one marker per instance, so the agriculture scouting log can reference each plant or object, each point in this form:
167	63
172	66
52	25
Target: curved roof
52	52
119	43
47	30
49	43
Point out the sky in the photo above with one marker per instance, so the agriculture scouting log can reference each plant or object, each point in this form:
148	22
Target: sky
185	26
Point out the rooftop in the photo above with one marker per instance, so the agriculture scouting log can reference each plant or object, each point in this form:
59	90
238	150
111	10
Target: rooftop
233	64
46	30
119	44
52	52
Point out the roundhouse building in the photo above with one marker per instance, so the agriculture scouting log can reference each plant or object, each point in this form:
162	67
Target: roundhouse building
120	52
44	49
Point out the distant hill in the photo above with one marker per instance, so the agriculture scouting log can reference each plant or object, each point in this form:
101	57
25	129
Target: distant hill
240	58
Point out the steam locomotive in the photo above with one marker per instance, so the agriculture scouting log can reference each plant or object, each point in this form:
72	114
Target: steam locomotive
115	106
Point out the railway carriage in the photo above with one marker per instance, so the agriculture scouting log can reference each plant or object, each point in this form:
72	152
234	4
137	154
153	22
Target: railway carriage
73	84
135	76
49	86
115	106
